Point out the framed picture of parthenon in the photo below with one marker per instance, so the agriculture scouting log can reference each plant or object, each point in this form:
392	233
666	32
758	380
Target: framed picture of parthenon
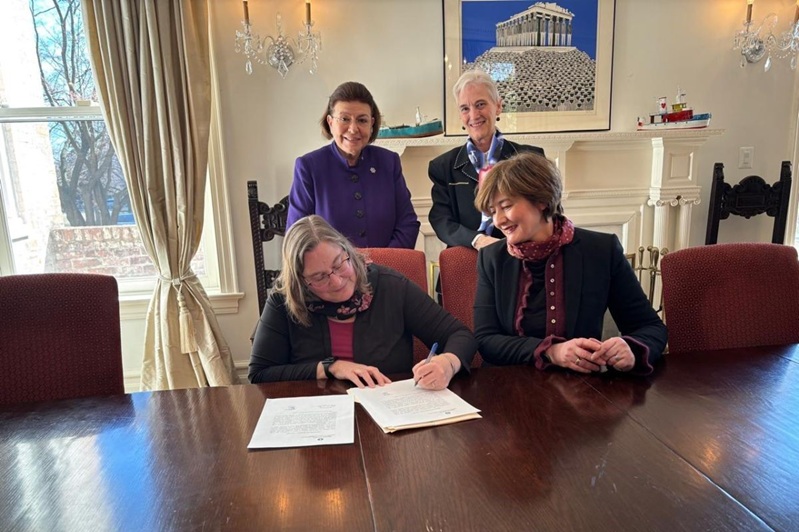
552	61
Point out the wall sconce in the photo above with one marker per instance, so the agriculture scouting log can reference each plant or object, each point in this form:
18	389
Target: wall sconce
755	42
279	52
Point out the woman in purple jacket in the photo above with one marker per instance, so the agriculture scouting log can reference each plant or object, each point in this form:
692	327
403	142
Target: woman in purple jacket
358	188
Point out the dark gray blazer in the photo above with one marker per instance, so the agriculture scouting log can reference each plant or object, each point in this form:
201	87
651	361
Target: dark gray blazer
453	215
597	276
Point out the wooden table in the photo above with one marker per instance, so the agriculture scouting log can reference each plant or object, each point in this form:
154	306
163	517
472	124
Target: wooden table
174	460
734	416
709	442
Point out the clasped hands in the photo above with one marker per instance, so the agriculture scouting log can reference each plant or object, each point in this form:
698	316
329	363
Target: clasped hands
434	375
587	355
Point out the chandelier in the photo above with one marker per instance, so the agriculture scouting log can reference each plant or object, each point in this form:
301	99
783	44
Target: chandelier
279	52
756	41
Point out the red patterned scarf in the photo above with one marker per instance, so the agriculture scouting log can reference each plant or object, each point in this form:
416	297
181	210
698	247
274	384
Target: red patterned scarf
548	250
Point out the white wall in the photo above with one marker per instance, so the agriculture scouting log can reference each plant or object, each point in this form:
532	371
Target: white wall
395	48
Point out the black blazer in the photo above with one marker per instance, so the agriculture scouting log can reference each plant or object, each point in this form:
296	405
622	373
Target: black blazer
284	350
453	215
597	276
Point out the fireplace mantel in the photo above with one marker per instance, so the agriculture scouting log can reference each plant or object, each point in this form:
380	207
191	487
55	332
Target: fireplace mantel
609	138
640	185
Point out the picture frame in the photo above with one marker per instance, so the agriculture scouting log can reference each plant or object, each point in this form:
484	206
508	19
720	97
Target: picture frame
553	65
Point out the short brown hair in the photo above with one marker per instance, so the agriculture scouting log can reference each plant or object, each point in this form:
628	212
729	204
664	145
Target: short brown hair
303	236
351	91
527	175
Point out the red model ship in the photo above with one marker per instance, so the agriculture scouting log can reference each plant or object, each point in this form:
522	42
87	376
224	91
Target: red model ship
680	117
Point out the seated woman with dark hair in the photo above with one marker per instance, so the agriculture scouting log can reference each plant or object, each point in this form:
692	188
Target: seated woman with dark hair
542	292
332	315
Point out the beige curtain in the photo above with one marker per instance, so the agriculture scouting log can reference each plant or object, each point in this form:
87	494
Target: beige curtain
151	63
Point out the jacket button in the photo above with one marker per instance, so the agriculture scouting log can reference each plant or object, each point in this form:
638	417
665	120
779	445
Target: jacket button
359	213
358	195
354	178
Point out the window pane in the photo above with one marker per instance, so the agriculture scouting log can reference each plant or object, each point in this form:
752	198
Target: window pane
43	54
61	183
66	201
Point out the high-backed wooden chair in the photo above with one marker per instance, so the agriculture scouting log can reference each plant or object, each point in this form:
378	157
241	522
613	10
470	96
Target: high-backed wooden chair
265	222
458	280
412	264
731	296
750	197
59	337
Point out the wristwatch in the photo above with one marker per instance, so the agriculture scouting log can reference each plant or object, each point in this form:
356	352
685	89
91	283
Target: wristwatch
326	366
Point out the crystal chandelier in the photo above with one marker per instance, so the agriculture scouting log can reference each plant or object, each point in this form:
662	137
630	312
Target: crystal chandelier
279	52
758	41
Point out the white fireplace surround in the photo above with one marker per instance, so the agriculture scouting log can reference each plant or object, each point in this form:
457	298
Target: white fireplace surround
642	186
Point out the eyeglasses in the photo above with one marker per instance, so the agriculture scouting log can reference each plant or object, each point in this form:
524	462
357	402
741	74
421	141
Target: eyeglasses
361	121
322	279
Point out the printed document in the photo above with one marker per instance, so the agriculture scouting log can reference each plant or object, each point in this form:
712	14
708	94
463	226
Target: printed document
305	421
401	405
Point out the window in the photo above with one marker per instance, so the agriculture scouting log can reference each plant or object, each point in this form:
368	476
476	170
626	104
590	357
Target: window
64	204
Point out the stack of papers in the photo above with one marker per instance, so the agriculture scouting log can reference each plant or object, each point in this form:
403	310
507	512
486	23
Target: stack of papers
401	405
305	421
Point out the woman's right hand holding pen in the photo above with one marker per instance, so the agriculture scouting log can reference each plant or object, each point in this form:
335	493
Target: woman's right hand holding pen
436	374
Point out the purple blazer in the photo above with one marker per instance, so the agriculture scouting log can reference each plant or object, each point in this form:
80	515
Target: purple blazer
369	203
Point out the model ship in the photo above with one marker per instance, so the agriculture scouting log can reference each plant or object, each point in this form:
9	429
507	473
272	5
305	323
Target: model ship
680	117
421	129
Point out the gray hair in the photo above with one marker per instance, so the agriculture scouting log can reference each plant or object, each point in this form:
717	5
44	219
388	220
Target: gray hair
476	77
302	237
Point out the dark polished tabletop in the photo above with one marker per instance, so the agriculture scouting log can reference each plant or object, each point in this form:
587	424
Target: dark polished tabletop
709	442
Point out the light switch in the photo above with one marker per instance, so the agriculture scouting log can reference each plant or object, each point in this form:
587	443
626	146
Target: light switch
746	156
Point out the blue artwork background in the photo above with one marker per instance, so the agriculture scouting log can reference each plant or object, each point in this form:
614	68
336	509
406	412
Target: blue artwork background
479	19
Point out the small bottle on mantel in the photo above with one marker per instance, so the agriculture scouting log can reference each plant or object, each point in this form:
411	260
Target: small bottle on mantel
418	116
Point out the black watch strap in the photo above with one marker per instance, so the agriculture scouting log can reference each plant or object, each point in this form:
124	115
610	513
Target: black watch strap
326	366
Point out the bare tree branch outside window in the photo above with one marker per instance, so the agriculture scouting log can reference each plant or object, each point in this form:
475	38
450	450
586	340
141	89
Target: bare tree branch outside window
91	186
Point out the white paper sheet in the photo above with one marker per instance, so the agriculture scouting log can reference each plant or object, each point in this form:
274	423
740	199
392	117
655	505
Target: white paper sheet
304	422
401	405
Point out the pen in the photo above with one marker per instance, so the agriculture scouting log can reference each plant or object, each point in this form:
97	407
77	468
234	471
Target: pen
429	356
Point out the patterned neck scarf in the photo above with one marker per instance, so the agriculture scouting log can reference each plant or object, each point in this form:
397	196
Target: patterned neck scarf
345	309
482	166
549	250
478	159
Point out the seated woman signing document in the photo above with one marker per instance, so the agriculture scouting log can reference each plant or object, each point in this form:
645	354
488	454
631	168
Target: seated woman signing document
332	315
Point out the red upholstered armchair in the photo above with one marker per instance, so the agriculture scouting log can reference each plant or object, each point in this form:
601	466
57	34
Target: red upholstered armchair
458	270
731	295
412	264
59	337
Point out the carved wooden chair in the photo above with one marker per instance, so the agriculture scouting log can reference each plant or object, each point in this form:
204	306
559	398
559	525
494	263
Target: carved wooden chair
265	222
59	337
743	294
750	197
